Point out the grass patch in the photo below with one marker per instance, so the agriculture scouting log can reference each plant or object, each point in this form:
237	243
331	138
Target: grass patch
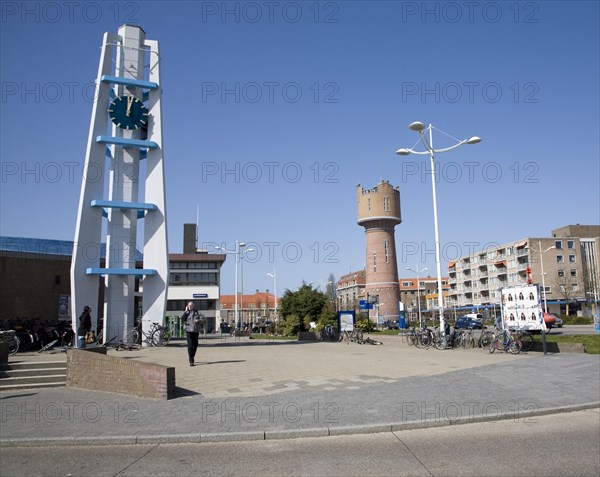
258	336
577	320
591	343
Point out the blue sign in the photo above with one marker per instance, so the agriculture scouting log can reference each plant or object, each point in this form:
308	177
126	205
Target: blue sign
364	305
597	323
200	295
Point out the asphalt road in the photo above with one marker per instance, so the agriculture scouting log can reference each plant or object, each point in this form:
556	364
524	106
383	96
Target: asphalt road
574	330
552	445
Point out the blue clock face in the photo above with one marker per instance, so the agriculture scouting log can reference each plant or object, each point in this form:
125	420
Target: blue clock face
128	112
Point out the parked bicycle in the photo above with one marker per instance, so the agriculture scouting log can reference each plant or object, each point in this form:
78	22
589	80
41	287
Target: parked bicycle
356	336
525	337
485	338
327	333
509	344
157	335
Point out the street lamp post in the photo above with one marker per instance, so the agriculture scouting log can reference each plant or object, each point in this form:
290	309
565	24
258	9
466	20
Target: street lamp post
417	271
543	274
242	245
238	246
274	277
420	128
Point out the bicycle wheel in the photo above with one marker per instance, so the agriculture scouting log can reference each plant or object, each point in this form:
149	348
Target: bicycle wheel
13	345
358	335
492	346
161	337
425	339
467	341
441	342
526	342
132	338
514	347
486	339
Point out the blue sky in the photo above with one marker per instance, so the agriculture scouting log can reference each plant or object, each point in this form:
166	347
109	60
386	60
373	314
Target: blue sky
275	111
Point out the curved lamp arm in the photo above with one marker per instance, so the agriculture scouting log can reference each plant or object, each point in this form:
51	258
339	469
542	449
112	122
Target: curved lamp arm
406	152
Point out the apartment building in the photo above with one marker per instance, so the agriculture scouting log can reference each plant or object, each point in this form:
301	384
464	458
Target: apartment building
255	308
425	291
350	290
565	266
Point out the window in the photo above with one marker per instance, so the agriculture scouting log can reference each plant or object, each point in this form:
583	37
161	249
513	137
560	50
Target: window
369	203
574	287
386	204
570	244
559	259
374	263
558	244
385	246
571	258
561	273
573	272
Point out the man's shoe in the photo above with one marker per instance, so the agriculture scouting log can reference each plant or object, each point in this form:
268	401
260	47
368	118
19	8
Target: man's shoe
191	363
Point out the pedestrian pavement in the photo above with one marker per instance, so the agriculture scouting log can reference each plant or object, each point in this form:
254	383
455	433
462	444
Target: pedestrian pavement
247	389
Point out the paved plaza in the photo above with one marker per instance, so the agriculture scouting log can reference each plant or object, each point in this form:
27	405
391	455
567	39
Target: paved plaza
245	389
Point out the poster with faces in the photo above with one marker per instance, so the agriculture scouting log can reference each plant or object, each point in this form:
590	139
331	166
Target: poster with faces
521	307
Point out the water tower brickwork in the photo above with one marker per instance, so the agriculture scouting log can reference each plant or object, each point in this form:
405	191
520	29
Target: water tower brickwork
379	213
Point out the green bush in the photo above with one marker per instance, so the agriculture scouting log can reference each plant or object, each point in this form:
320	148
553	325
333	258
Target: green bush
365	325
576	320
290	326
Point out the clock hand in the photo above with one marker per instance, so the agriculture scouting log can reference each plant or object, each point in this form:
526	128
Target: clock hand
129	103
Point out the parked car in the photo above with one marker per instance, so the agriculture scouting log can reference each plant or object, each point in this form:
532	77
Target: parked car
391	325
559	322
468	322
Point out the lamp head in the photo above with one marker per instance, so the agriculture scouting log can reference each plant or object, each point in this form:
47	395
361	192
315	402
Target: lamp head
474	140
416	126
403	152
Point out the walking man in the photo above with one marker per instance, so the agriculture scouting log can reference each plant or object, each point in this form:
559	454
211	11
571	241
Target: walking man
193	322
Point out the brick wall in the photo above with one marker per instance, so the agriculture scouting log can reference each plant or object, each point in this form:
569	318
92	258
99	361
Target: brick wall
87	369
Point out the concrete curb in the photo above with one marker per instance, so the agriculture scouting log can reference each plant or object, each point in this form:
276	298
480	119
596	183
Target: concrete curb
282	434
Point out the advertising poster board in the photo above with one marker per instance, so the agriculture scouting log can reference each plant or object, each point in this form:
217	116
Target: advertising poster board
346	321
64	305
522	308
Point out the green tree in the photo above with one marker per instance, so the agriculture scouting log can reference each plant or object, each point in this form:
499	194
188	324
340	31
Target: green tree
306	302
328	316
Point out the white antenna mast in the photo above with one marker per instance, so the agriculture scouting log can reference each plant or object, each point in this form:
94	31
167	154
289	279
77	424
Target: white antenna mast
197	223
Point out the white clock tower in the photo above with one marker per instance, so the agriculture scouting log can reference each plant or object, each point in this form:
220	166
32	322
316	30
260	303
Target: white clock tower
123	187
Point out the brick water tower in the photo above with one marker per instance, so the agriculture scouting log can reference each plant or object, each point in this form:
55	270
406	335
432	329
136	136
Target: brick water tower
379	213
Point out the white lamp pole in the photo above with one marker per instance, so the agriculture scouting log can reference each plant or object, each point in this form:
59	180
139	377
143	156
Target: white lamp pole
236	252
274	277
543	274
242	245
420	128
417	271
